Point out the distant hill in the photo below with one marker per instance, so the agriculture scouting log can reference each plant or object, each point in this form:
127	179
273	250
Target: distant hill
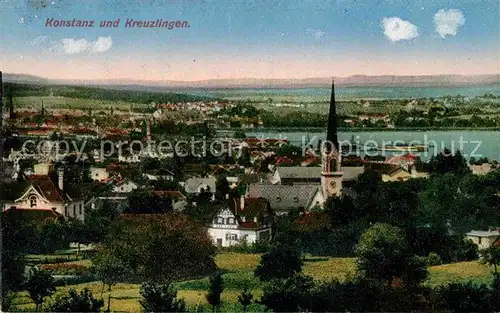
351	81
24	79
89	92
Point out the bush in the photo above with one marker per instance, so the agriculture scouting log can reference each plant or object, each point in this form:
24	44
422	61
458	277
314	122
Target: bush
260	246
287	295
459	297
434	259
160	298
281	261
75	302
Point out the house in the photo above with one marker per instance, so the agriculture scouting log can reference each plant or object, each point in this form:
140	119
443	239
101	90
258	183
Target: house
175	195
484	239
284	198
199	184
402	174
482	169
161	174
310	175
118	202
46	198
124	186
296	174
98	173
239	220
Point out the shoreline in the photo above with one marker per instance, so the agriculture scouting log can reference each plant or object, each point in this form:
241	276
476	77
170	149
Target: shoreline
355	130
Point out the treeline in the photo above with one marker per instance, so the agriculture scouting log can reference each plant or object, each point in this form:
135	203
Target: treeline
434	213
388	279
93	93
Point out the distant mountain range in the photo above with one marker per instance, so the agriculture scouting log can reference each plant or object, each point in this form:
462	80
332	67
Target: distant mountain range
351	81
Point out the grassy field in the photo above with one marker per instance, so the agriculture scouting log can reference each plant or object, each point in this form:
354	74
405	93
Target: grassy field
238	272
57	102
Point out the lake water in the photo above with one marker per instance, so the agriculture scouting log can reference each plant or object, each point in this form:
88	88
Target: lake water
470	143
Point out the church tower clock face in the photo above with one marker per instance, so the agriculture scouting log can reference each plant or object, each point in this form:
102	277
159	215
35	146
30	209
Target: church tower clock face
333	184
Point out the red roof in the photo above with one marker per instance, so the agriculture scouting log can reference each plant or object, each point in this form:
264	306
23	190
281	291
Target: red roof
44	185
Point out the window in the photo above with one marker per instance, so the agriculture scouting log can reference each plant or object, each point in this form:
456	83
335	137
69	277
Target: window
33	201
74	209
278	199
295	199
479	240
220	220
230	220
231	237
80	209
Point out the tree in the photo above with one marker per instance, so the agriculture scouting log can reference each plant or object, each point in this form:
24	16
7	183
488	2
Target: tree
75	302
161	247
215	291
245	299
383	254
160	298
40	284
222	187
239	134
468	297
77	232
287	295
110	271
447	161
98	221
491	256
13	245
281	261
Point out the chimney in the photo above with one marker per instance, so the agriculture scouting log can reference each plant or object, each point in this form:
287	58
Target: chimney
60	178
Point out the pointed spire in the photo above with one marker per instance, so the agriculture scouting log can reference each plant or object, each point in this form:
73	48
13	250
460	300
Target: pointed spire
331	133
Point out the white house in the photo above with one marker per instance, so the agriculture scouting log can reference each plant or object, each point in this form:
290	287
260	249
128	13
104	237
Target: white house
124	186
43	197
98	173
239	220
484	239
197	184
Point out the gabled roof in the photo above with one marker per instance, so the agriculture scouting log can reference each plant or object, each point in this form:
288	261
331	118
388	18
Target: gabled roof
254	212
299	172
483	233
193	183
46	188
285	197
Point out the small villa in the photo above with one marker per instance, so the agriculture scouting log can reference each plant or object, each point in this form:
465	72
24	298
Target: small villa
246	219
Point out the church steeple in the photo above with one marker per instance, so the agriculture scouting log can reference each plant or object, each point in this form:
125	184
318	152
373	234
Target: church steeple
331	174
331	133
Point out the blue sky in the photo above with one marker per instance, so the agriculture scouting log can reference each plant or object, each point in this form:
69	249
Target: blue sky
235	39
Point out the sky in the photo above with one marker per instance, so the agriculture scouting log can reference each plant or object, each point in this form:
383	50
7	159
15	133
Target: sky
228	39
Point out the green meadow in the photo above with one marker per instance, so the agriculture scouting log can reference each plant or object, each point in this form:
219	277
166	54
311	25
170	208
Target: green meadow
238	272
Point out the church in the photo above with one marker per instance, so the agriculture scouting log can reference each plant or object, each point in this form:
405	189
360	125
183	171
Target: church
306	188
